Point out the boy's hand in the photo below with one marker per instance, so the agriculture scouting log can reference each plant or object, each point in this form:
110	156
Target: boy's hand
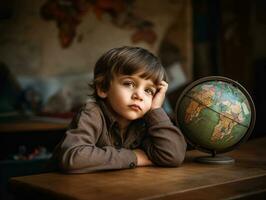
158	98
142	158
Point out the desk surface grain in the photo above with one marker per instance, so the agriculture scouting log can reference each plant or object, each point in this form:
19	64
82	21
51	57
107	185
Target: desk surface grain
244	178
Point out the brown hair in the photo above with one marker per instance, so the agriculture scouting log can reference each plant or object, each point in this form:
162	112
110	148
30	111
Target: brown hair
126	61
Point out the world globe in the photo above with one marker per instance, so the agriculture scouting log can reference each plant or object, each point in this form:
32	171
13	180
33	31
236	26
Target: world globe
216	114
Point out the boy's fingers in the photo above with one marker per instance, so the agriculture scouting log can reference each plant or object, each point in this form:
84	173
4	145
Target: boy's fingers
163	84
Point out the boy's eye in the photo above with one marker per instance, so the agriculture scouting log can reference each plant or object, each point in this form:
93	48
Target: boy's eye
150	91
129	83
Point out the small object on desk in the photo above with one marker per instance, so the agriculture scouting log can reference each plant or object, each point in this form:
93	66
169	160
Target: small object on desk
39	152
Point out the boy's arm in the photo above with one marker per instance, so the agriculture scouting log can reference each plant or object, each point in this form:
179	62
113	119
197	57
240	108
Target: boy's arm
165	145
78	152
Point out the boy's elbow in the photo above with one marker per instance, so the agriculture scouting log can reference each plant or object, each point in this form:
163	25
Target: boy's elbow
178	156
170	159
66	165
174	160
72	165
70	169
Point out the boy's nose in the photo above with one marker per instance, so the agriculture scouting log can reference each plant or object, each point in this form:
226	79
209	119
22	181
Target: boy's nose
137	95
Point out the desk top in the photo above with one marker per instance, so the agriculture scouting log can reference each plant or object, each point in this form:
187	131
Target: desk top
190	181
34	124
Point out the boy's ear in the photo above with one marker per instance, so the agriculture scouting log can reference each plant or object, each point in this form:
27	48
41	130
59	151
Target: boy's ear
100	92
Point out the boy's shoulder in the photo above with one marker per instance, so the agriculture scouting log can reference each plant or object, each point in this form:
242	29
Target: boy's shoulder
92	106
90	110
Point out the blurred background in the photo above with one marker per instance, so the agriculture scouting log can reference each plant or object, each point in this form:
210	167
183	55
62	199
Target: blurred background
48	49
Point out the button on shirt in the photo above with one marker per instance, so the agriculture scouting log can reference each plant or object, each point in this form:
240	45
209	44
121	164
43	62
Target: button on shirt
132	165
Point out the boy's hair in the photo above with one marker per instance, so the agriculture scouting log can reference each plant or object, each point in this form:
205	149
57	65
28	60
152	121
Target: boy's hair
126	61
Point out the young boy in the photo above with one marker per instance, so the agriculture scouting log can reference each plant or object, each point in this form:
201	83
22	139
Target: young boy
125	126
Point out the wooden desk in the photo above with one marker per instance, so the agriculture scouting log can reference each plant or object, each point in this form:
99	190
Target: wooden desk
246	179
34	124
28	133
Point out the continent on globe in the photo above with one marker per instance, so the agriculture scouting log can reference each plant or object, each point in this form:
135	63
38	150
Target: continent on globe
203	98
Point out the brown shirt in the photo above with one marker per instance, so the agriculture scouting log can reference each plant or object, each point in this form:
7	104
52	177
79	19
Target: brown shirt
93	141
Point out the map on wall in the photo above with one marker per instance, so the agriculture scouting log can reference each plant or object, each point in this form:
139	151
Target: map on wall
68	15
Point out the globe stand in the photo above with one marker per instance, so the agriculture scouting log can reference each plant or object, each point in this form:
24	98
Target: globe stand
215	159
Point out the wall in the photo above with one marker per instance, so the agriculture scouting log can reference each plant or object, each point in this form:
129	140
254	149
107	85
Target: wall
29	45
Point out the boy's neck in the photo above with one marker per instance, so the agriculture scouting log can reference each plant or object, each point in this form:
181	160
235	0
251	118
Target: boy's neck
122	122
123	125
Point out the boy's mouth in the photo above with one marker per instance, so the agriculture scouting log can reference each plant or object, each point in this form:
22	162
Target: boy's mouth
135	107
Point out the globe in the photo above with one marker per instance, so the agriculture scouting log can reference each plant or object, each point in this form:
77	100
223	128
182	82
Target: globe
216	114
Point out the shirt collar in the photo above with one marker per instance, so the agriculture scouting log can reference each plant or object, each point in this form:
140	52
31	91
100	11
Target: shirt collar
110	118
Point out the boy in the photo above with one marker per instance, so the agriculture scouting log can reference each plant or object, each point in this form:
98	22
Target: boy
124	126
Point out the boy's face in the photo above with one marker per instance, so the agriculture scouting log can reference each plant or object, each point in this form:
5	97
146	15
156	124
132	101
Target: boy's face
130	97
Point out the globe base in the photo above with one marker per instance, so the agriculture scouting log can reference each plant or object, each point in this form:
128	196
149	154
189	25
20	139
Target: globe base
217	159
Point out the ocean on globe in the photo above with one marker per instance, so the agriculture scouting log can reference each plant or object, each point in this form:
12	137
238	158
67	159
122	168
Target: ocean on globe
215	114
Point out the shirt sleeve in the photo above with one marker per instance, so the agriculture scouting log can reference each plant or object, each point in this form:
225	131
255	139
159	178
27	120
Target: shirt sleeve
78	152
165	145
